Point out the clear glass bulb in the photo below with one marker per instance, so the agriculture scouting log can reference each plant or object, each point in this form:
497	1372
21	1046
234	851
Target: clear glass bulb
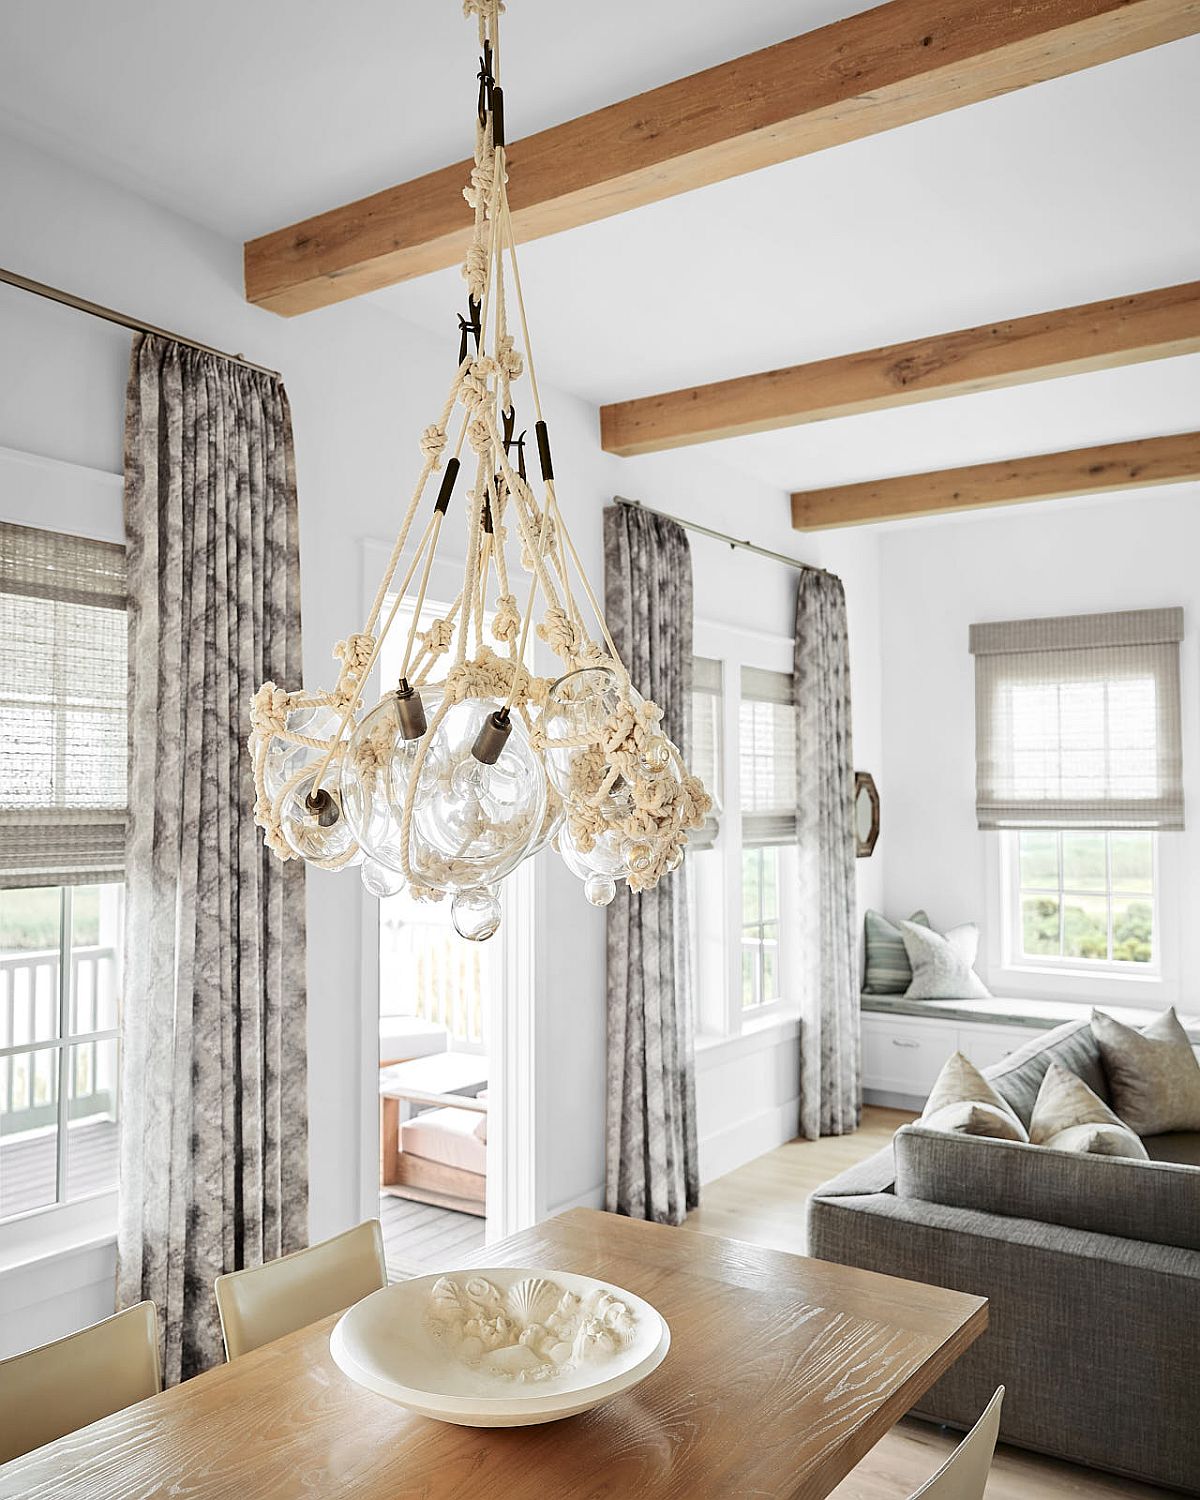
379	881
473	823
475	913
578	706
601	890
376	771
284	759
320	833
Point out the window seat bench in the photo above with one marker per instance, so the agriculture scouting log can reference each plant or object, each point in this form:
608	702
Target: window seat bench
905	1042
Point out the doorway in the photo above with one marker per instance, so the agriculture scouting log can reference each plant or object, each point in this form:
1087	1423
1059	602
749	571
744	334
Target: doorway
448	1063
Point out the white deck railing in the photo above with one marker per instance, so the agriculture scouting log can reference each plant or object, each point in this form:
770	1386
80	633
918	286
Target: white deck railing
31	1035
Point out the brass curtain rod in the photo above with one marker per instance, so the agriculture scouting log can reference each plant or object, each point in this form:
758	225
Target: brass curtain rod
95	310
732	541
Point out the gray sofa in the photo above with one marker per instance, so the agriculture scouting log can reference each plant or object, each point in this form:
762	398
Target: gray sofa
1091	1266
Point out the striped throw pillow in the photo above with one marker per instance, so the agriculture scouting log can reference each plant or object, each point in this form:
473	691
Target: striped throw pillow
888	969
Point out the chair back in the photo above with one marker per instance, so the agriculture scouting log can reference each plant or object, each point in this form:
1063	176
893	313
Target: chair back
964	1475
59	1387
265	1302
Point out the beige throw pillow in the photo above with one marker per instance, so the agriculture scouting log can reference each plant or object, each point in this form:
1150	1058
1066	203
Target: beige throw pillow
1153	1074
963	1101
1069	1116
942	963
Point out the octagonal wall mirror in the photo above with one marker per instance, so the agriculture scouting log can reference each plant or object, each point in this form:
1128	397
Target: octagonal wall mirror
866	814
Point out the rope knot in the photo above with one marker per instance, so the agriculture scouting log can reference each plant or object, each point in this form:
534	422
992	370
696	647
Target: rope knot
269	710
558	632
438	638
507	619
433	444
475	269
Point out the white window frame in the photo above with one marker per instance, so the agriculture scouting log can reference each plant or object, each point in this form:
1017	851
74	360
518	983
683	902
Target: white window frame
717	939
64	1042
75	498
1010	972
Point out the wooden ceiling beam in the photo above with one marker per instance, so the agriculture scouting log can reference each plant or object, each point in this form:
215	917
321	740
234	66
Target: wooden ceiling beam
1046	476
1069	341
900	62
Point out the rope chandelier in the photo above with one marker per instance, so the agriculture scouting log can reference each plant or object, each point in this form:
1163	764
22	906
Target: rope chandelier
445	786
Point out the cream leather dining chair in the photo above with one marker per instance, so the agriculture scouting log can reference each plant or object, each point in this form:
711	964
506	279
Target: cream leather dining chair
265	1302
58	1387
964	1475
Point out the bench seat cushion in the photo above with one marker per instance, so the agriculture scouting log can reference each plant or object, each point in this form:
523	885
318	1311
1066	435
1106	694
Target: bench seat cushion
447	1136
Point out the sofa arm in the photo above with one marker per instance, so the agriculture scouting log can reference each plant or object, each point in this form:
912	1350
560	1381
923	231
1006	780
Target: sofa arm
1108	1195
1093	1335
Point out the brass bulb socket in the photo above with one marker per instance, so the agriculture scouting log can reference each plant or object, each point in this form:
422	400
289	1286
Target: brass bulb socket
492	738
323	807
410	712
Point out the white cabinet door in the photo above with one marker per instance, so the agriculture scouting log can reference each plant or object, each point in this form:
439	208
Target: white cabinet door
902	1056
986	1045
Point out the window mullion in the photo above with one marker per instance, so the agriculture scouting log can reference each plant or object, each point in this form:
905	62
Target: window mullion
66	923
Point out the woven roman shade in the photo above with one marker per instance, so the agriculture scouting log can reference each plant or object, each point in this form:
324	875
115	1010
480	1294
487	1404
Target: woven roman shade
1077	721
705	747
767	756
63	698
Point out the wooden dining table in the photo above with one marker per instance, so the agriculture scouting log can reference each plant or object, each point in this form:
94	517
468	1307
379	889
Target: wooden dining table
782	1373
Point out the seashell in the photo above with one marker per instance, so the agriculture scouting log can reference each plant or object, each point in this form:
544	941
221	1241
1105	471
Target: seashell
532	1300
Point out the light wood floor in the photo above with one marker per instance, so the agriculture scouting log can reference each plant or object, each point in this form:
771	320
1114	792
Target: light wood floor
419	1239
764	1203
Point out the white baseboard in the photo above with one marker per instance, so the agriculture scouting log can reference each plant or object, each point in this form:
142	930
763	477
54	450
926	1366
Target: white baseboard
593	1198
733	1147
886	1100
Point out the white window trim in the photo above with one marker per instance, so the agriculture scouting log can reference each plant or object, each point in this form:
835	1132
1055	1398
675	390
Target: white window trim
59	496
721	1019
1027	979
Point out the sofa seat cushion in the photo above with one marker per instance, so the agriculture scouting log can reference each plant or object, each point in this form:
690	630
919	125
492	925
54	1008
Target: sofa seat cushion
1180	1146
1155	1202
446	1136
1019	1077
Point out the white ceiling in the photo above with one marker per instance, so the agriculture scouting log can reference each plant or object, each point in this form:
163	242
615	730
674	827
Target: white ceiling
248	116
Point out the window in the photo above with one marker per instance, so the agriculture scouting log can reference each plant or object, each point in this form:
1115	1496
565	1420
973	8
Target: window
1078	722
60	988
63	701
705	743
767	756
1084	899
760	927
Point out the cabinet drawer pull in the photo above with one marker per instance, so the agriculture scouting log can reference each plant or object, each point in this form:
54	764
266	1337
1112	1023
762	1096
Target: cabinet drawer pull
896	1042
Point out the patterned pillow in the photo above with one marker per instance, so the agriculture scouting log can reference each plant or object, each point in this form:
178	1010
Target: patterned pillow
888	969
963	1101
1153	1074
1068	1116
942	965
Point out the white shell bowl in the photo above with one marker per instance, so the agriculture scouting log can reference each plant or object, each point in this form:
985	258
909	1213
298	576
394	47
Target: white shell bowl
390	1343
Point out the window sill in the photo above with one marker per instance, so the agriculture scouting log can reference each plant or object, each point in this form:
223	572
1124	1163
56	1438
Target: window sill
1033	982
64	1229
714	1051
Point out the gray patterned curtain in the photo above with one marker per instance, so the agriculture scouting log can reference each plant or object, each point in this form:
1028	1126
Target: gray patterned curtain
830	1070
652	1167
214	1138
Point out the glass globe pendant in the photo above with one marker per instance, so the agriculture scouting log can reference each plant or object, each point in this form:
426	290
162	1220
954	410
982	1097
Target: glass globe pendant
312	821
474	819
376	770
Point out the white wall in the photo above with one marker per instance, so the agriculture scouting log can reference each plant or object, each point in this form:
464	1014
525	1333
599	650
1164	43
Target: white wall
362	384
1132	551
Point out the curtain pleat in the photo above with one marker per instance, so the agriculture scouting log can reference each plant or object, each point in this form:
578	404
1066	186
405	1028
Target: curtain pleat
830	1068
214	1139
652	1161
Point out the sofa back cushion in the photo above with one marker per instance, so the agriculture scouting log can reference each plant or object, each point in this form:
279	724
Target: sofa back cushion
1019	1077
1156	1202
